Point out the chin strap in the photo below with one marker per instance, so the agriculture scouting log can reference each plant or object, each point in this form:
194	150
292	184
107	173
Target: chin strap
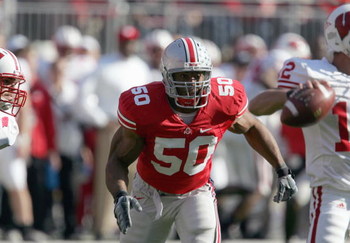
185	102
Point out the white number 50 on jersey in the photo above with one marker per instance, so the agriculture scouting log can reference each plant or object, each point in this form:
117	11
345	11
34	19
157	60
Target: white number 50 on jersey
225	87
141	96
190	167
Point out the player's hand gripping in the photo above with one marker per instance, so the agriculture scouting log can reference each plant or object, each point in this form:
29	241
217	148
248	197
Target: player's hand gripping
123	203
286	185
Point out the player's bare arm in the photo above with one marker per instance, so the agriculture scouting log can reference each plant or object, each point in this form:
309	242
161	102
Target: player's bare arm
259	138
125	148
272	100
268	102
262	141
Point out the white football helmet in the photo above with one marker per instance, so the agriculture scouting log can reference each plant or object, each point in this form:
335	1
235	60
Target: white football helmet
12	98
251	44
294	44
337	29
159	38
186	55
67	39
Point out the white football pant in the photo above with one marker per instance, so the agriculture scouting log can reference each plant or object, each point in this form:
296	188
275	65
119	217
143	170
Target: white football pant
194	214
329	215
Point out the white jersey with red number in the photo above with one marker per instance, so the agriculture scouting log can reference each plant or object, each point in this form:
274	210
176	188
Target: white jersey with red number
327	142
8	131
177	158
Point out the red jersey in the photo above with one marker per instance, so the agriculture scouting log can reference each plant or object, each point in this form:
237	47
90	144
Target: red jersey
43	132
177	158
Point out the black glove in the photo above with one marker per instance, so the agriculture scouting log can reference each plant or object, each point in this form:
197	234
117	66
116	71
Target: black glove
286	185
123	203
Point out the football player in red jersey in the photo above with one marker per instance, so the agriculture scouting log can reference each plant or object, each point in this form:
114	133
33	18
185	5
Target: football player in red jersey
173	128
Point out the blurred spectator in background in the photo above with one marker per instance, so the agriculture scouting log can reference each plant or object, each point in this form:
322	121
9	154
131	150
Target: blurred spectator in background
20	46
155	43
78	58
87	59
66	41
90	46
61	79
216	57
262	75
237	174
253	44
45	161
245	50
64	92
115	73
89	52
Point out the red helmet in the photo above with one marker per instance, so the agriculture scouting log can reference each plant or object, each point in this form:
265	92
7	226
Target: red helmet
12	98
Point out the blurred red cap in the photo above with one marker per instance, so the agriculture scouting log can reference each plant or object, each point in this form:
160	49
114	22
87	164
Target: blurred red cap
128	32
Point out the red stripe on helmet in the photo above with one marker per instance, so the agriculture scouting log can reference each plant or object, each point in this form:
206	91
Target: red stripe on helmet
191	50
15	60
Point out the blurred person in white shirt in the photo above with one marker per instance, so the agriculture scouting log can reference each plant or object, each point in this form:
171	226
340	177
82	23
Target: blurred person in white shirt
262	75
155	43
62	79
237	173
115	73
216	57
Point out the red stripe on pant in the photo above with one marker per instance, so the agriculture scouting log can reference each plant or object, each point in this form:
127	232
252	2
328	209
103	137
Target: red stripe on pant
317	194
217	238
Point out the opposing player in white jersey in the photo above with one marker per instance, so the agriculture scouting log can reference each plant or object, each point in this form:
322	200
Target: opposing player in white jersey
12	98
173	128
327	142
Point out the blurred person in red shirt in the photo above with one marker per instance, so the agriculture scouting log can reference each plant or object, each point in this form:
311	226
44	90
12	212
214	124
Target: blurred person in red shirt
45	161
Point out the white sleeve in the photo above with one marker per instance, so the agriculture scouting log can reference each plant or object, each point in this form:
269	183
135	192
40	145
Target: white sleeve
87	105
8	131
292	73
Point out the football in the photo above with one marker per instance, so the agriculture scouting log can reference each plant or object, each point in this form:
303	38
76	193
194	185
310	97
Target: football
304	107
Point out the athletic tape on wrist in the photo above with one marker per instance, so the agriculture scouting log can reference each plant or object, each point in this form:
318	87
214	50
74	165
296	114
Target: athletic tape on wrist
284	171
119	194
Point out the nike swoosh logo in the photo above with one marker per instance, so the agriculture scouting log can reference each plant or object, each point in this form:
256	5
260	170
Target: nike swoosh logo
204	130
